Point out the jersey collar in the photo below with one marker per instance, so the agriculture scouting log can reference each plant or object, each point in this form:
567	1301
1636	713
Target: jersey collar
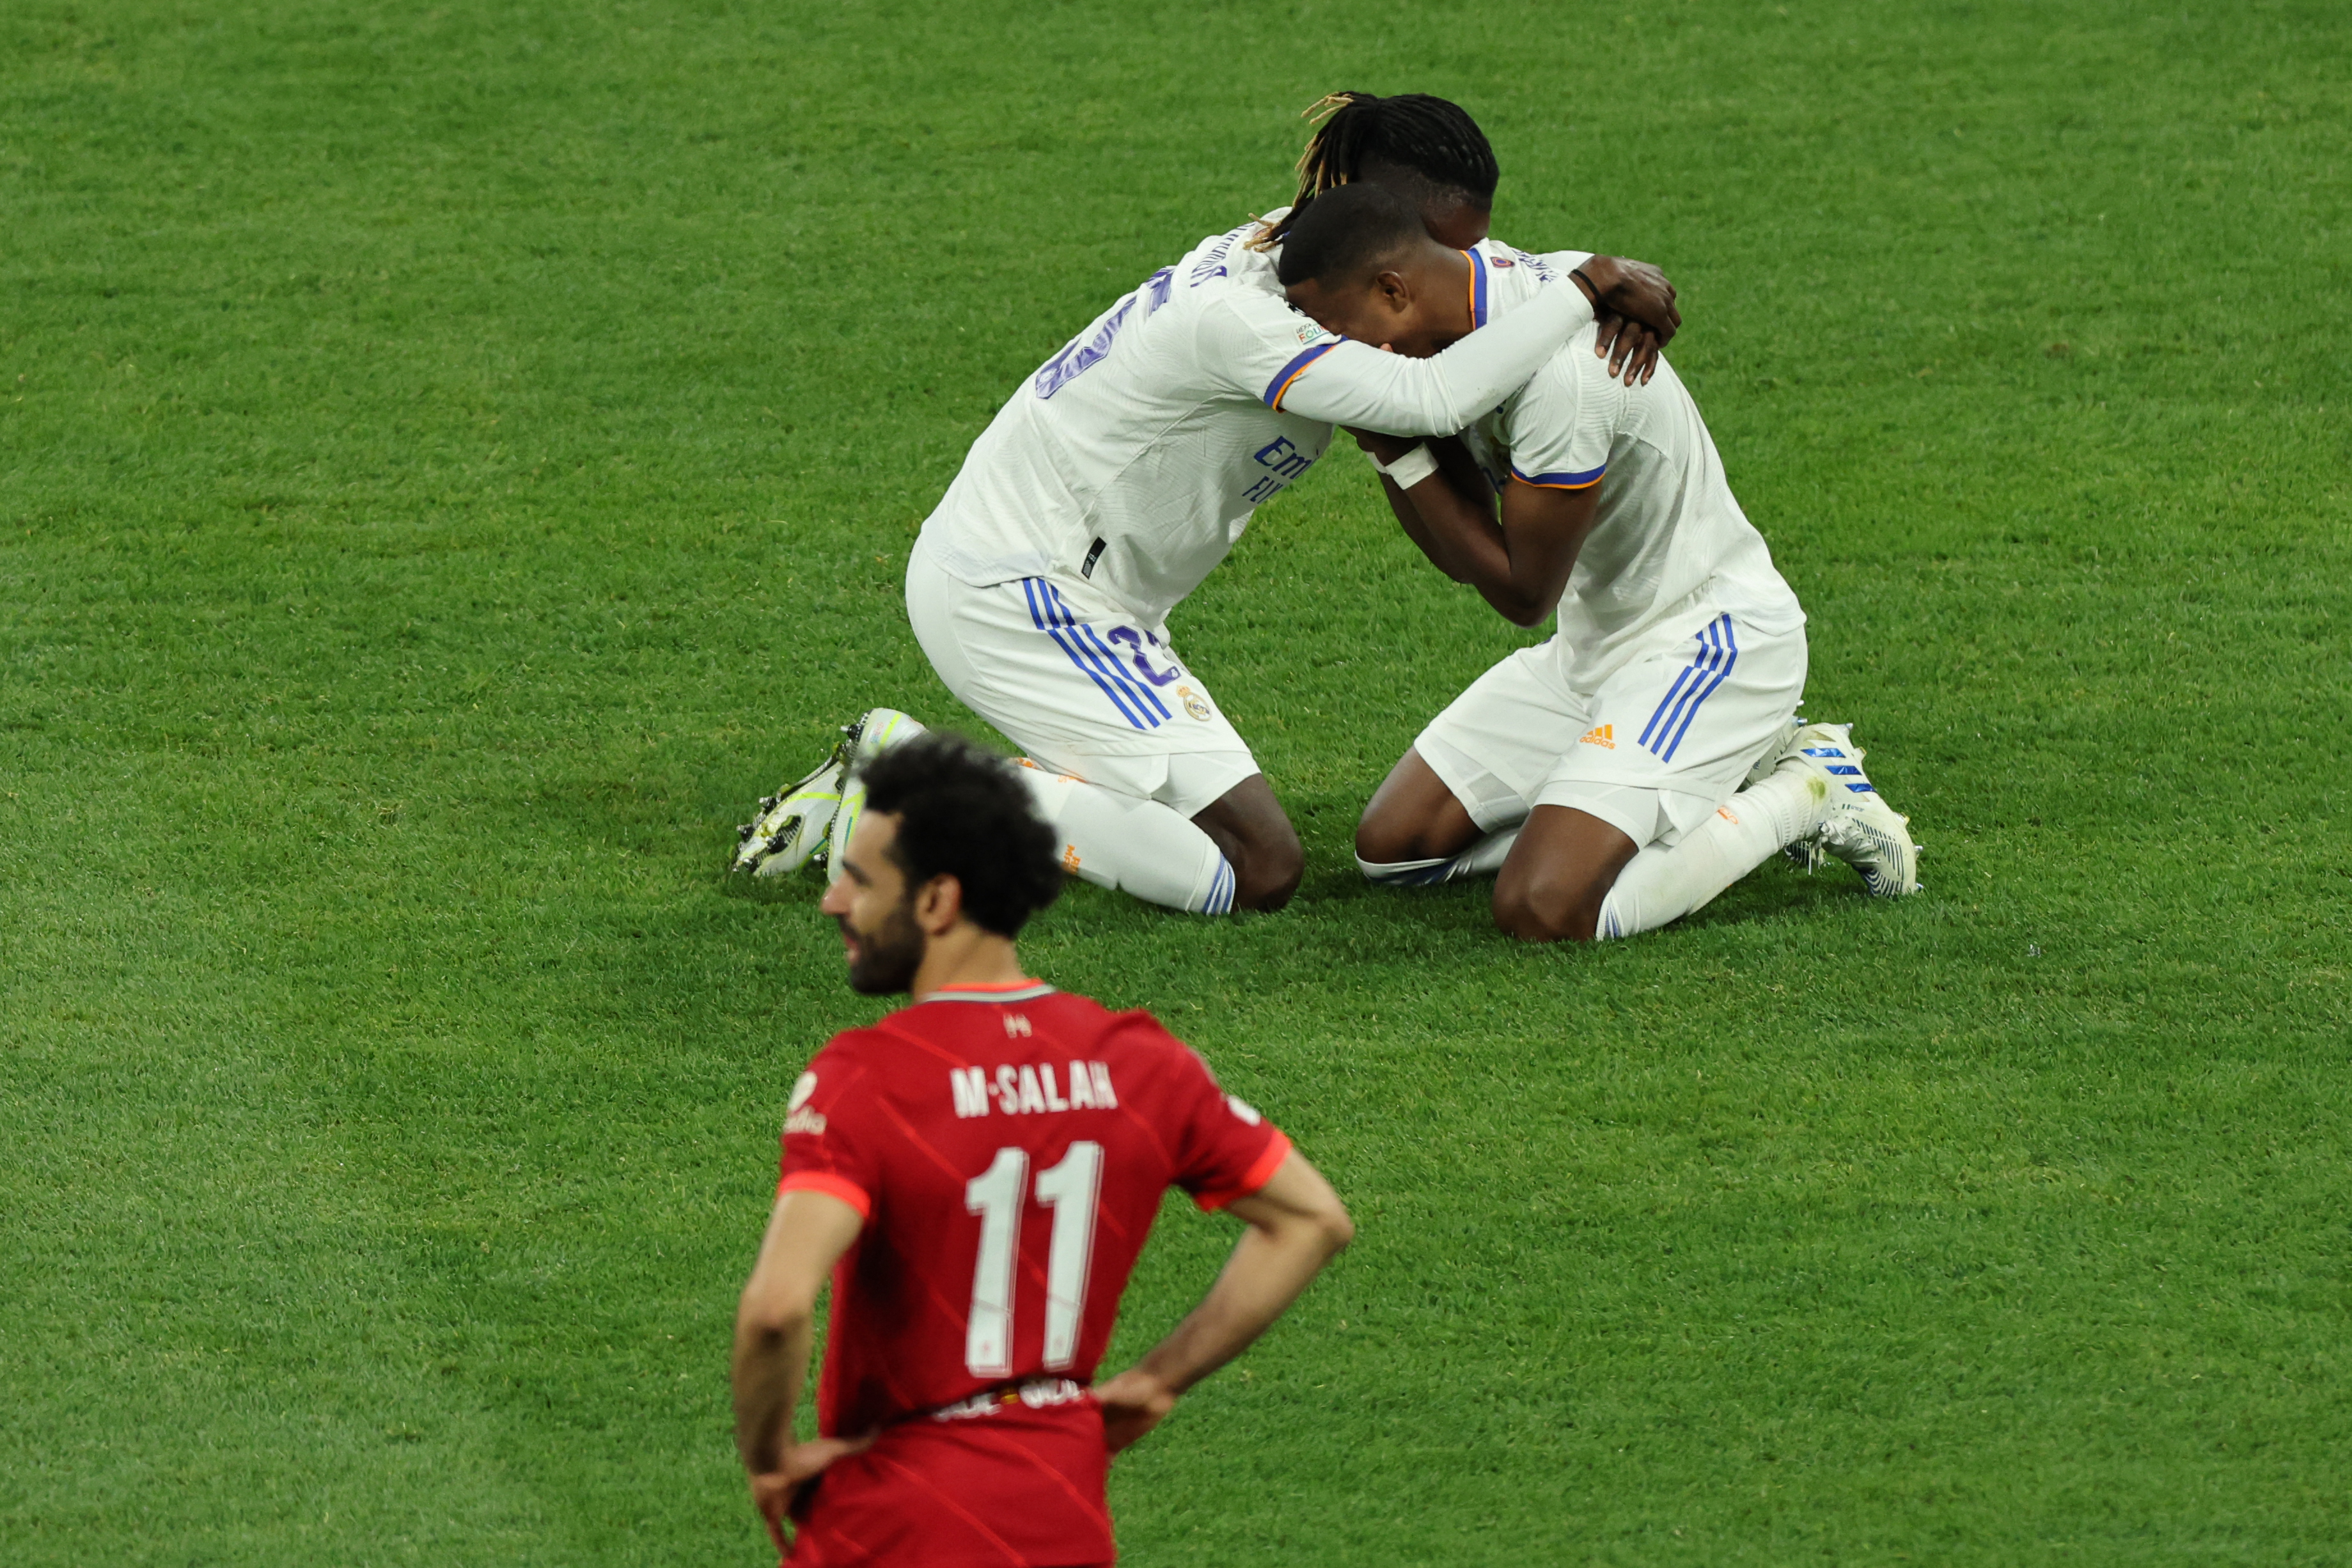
993	991
1477	288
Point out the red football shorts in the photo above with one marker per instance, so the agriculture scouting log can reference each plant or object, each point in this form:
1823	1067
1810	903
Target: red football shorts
1014	1488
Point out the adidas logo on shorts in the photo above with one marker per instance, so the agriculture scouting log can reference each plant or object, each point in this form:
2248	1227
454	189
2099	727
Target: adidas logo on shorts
1600	735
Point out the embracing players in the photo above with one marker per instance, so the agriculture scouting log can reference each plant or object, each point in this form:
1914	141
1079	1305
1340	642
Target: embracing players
1600	772
1124	470
977	1174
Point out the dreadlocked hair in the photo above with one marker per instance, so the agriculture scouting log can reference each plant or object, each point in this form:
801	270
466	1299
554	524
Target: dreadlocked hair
1430	138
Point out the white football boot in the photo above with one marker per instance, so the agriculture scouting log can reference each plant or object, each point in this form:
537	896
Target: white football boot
875	732
792	821
1857	826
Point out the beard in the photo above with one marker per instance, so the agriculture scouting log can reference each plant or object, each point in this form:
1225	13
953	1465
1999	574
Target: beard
889	955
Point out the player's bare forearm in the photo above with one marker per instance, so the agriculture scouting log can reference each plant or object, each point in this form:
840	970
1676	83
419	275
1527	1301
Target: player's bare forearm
1268	1270
775	1322
1520	566
1409	518
1453	459
770	1365
1296	1224
1459	535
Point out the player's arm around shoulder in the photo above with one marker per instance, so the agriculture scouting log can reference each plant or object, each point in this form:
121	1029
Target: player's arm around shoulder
1254	346
1296	1224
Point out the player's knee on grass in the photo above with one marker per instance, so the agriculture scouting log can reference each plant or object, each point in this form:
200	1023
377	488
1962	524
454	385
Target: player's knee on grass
1412	817
1558	875
1386	838
1549	905
1268	873
1258	842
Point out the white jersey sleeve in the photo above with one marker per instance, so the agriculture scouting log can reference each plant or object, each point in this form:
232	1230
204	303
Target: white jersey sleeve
1260	347
1561	426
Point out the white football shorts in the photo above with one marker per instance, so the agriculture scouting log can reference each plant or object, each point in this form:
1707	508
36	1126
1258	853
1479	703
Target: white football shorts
1077	685
1665	737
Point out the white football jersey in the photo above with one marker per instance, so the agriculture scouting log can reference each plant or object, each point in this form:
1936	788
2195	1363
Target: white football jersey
1667	524
1128	465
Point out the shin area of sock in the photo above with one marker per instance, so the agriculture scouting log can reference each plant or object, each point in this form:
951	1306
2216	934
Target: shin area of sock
1484	857
1139	846
1788	803
1403	873
1662	885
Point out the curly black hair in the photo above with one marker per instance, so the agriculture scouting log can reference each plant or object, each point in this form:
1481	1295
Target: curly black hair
963	813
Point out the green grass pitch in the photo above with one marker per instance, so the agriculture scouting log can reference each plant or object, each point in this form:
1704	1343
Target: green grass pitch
453	457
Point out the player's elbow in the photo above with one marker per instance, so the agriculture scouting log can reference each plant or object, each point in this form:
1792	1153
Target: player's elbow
1330	1226
767	1312
1520	610
1338	1229
1309	1235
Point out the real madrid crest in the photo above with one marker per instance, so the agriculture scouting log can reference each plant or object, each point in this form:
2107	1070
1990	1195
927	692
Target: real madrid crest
1195	703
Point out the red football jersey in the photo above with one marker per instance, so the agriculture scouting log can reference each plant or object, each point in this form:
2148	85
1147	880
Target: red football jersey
1008	1147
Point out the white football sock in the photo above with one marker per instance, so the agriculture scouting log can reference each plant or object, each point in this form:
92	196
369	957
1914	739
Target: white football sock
1405	873
1661	885
1485	856
1139	846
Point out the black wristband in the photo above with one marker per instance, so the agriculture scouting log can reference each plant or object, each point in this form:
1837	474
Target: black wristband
1581	276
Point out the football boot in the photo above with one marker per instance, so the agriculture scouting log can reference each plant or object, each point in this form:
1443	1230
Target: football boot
1858	825
793	822
875	732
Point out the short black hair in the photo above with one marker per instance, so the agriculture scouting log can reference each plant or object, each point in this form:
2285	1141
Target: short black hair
963	813
1346	234
1432	139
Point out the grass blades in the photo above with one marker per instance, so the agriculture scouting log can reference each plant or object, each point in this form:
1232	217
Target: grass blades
454	459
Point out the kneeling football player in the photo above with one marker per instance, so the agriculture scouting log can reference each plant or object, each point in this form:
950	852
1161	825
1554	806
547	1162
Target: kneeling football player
977	1174
1599	773
1122	472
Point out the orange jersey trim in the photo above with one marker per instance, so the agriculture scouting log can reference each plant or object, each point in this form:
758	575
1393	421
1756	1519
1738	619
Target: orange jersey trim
1293	370
832	1186
1583	481
1254	1179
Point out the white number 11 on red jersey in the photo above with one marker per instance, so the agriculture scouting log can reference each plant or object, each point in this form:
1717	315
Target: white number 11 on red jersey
1069	1189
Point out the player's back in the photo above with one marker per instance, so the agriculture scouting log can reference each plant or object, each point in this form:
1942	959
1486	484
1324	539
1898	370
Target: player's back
1010	1148
1666	525
1133	458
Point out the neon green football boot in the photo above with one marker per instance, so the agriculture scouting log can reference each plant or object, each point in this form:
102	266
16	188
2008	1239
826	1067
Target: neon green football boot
875	732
